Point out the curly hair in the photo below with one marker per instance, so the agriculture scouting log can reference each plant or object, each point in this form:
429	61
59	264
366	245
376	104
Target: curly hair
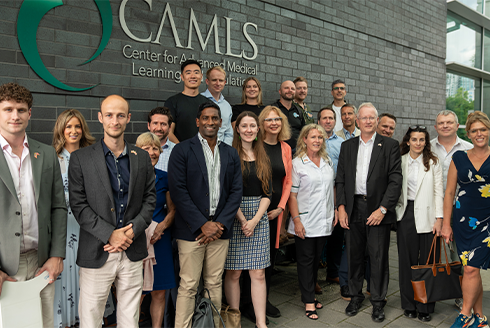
59	130
15	92
262	161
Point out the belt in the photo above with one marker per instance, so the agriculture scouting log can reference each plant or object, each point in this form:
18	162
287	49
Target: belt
363	197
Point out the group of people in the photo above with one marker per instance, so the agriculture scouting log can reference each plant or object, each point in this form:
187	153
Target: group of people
206	194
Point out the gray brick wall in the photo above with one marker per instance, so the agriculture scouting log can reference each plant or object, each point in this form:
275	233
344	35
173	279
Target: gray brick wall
390	53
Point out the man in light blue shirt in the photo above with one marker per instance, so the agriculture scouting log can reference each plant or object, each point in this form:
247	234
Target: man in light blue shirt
327	119
216	80
159	122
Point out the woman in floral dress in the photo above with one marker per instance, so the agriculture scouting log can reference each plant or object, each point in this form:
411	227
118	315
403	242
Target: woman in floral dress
471	171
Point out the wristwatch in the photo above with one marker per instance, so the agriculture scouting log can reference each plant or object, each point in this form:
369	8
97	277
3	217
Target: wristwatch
383	210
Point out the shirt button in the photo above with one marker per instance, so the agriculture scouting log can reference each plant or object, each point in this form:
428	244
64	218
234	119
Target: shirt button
112	209
17	213
17	234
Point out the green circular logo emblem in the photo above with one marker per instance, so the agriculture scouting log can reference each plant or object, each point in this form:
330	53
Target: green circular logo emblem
30	14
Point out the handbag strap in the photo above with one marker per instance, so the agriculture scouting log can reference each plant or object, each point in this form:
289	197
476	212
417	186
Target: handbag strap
214	307
433	252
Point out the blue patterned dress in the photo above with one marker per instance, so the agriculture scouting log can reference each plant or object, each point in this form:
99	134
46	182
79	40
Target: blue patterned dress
471	218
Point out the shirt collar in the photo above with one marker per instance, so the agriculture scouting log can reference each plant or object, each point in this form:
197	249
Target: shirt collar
333	136
353	132
418	159
202	140
167	144
108	151
361	142
208	95
306	160
5	145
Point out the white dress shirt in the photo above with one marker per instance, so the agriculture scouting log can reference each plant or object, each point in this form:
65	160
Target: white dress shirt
413	173
362	167
338	122
314	187
446	157
21	172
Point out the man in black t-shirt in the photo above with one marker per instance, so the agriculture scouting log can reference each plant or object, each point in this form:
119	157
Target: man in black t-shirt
183	106
292	112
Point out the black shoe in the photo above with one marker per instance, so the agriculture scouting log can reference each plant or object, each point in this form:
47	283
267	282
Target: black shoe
353	308
344	293
271	310
425	317
410	314
378	314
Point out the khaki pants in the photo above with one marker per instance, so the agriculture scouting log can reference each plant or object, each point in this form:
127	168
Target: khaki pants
95	285
194	259
28	267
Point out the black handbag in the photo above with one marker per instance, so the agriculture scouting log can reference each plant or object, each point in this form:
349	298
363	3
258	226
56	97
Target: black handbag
203	312
437	281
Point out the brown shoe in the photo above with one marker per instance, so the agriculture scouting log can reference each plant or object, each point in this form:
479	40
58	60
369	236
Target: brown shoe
318	289
333	280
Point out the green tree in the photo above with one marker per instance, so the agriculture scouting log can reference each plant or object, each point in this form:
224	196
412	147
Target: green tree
461	105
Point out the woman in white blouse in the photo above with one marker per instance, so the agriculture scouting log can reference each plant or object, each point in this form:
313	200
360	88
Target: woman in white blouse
312	209
419	213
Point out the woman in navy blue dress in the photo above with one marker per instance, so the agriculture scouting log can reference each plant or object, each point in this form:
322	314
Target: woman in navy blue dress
163	270
471	171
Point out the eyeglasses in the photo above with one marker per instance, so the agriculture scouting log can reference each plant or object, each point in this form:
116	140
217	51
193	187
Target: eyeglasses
273	119
417	127
337	88
364	119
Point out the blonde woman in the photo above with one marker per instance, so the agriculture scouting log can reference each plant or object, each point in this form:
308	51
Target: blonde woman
311	205
471	171
70	133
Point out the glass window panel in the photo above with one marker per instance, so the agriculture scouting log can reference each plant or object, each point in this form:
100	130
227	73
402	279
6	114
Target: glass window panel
463	41
486	50
473	4
486	97
463	96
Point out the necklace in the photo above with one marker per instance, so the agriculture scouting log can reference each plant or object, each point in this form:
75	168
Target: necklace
480	158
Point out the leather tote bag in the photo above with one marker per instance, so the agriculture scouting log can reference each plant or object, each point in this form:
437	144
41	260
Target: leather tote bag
231	317
437	281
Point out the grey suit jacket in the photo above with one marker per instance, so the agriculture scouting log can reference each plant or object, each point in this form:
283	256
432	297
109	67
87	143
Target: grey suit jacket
51	209
92	202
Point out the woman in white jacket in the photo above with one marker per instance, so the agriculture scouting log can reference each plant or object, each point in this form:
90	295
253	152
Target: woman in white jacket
419	213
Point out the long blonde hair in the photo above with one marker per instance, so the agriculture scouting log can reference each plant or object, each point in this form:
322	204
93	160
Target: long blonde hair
262	161
285	133
59	130
301	145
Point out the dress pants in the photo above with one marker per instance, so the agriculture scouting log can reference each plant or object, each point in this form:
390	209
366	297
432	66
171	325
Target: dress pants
28	267
207	259
246	293
95	285
335	243
308	253
375	240
344	270
413	249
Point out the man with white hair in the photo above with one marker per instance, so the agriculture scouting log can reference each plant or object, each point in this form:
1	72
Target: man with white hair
369	181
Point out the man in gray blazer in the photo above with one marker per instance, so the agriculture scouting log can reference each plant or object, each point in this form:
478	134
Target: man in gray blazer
112	195
32	201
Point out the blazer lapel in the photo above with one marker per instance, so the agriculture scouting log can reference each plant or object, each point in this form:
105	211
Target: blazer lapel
197	149
6	176
224	163
101	167
420	176
133	170
378	144
37	159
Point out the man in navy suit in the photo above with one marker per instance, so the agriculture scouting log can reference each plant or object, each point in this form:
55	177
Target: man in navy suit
205	181
369	180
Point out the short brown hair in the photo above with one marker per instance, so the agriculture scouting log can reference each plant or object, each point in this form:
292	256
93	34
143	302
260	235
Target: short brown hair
300	79
161	111
15	92
477	116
